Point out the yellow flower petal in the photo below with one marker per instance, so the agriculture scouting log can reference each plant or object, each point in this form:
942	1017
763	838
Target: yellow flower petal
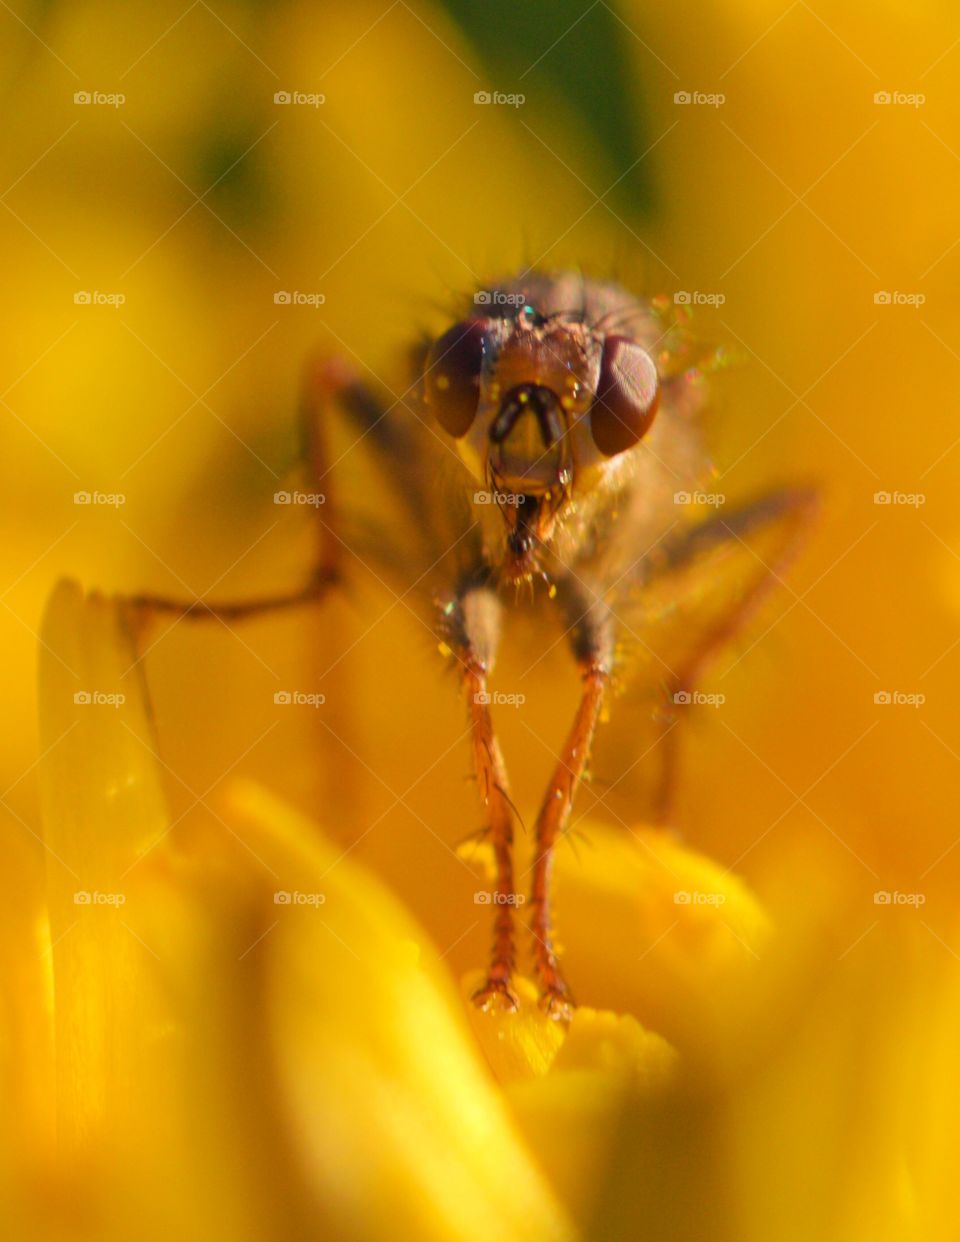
571	1117
248	1017
395	1117
616	1045
650	927
103	808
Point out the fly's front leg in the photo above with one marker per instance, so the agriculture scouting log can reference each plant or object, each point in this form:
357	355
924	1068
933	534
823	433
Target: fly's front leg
143	607
592	645
492	780
474	629
324	383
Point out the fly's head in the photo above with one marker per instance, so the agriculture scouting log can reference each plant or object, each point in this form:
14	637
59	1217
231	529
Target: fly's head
543	410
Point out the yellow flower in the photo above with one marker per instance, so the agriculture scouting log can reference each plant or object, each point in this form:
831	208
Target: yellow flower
162	1049
250	1018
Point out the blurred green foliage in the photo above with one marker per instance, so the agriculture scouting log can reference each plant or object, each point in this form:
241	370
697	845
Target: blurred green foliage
579	54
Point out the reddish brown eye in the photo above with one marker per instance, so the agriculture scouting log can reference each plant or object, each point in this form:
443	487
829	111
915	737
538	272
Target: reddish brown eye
627	396
451	381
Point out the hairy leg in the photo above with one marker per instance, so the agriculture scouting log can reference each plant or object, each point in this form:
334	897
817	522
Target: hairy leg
143	607
592	646
777	522
473	628
323	384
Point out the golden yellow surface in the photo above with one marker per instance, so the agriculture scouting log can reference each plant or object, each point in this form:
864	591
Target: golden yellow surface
200	1061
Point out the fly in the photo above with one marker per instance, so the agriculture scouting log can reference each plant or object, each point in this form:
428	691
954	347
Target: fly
577	409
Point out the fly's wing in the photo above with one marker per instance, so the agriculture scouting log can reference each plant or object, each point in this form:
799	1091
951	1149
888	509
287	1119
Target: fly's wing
401	491
698	589
691	598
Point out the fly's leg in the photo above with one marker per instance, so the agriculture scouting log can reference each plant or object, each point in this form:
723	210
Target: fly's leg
143	607
555	998
491	776
593	648
669	746
787	513
474	629
323	384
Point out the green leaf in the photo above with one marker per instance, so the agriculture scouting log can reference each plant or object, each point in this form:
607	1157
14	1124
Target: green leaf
578	55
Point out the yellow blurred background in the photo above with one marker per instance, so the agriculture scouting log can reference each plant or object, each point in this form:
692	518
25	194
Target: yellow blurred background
821	174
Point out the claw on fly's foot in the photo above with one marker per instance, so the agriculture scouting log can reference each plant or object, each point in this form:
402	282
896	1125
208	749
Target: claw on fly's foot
557	1004
496	996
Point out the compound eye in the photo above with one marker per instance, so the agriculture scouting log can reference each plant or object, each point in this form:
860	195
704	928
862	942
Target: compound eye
451	381
628	394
